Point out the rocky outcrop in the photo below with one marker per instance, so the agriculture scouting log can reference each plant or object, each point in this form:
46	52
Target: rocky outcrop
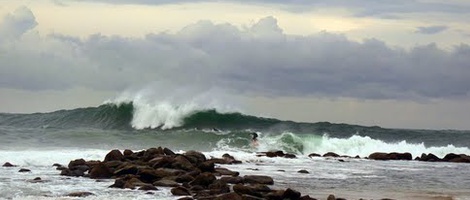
390	156
7	164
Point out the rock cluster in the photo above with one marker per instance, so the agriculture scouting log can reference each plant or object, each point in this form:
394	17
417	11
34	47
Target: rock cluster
189	174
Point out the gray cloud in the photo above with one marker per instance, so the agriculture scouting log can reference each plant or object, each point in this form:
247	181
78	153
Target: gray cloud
431	29
260	59
362	8
16	23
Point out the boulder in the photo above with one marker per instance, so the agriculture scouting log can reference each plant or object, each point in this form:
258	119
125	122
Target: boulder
330	154
148	187
220	171
127	168
100	171
127	153
114	155
429	158
195	157
79	194
148	175
390	156
204	179
24	170
163	161
166	183
303	171
306	197
74	164
206	166
243	189
181	162
260	179
168	152
291	194
314	155
232	179
219	187
184	178
231	196
180	191
331	197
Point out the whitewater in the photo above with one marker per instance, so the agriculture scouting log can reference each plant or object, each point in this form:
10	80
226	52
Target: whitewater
36	141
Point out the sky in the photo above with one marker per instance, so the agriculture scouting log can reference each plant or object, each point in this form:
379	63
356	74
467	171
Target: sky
396	63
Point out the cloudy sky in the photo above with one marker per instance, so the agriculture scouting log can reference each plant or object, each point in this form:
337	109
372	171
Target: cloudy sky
396	63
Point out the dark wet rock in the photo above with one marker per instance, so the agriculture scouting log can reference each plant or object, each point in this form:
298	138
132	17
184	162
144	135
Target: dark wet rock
228	196
206	166
68	172
219	187
100	170
127	169
306	197
186	198
303	171
148	187
331	197
195	157
180	191
184	178
230	159
461	158
204	179
260	179
291	194
288	155
36	180
390	156
127	153
79	194
330	154
168	152
220	171
148	175
114	155
232	179
24	170
181	162
164	161
74	164
243	189
166	183
314	155
429	158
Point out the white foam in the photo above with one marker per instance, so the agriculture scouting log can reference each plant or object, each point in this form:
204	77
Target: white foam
166	108
364	146
48	157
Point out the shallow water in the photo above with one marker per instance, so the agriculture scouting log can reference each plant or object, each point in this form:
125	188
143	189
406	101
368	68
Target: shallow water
351	179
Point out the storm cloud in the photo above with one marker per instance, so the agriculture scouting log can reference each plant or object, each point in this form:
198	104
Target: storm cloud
431	29
260	59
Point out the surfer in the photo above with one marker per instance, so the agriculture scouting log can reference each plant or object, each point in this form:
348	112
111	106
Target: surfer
254	139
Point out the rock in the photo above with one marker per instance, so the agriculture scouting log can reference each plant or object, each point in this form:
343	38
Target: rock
288	155
79	194
331	197
253	179
306	197
206	166
230	159
148	187
184	178
36	180
230	196
75	163
185	198
204	179
7	164
127	153
243	189
314	155
330	154
224	171
24	170
180	191
166	183
100	171
390	156
113	155
461	159
291	194
219	187
148	175
68	172
158	162
232	179
429	158
181	162
168	152
195	157
303	171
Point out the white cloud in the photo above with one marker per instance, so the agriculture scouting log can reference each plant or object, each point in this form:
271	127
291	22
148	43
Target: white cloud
259	59
17	23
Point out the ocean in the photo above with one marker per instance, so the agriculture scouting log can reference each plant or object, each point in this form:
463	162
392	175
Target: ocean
37	141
